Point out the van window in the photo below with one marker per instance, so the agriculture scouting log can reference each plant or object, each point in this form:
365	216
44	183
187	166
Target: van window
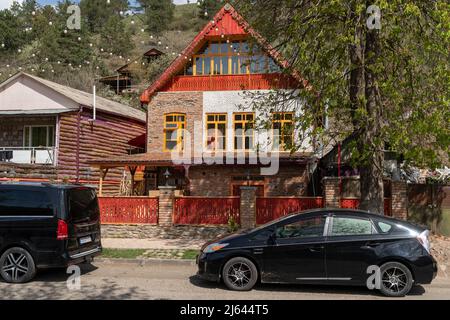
83	205
25	203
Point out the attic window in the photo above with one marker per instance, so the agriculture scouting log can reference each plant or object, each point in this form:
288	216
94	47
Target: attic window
230	57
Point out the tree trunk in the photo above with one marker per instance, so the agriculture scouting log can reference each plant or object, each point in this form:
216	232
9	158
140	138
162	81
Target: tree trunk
356	52
371	144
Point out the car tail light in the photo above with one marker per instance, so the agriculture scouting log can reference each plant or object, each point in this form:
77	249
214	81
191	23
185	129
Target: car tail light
62	232
423	239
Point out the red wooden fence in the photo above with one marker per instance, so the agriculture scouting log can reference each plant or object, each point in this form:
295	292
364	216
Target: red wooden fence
268	209
141	210
204	211
352	203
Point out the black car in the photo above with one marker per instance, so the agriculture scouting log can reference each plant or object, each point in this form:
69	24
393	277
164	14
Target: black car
46	226
326	246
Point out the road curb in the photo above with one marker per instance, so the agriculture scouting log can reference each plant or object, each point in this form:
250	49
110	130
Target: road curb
149	262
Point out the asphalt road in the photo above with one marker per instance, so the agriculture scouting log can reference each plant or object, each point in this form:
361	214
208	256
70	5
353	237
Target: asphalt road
108	280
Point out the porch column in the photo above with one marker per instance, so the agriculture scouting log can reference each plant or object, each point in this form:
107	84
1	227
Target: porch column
332	198
166	198
399	200
248	207
132	173
103	173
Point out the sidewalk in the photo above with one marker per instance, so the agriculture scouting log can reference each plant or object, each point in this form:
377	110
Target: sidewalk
167	244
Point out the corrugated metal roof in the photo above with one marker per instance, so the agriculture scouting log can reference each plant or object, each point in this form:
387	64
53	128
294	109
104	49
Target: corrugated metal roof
85	99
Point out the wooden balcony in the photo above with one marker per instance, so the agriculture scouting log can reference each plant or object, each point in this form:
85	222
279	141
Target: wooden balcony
231	82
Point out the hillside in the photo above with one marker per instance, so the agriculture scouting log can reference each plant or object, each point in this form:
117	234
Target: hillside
173	40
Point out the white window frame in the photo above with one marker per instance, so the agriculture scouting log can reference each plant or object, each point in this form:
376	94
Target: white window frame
31	134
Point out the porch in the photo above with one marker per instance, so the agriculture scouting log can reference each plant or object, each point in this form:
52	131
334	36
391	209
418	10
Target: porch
27	140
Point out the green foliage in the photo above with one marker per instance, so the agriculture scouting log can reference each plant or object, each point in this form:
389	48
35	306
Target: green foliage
409	66
208	8
97	13
158	14
233	226
116	37
12	37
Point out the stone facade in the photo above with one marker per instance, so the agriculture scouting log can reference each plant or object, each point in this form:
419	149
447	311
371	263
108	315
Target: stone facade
248	207
188	103
12	128
331	192
166	196
399	200
218	181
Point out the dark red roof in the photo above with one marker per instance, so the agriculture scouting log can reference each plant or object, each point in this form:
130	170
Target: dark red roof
227	22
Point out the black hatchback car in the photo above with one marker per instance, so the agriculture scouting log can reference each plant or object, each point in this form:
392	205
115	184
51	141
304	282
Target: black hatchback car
326	246
46	226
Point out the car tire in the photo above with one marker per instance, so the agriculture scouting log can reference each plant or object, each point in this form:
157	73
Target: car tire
240	274
17	265
396	279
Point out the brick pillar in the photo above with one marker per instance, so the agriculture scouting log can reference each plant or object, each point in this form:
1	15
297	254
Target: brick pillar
166	197
332	198
399	201
248	207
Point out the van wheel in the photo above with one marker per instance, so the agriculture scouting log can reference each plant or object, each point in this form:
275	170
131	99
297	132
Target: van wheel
396	279
240	274
17	265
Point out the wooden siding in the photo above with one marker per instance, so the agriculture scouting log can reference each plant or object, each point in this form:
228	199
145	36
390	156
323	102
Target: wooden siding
106	137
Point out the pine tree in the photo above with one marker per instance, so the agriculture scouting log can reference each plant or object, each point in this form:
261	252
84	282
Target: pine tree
208	8
98	12
116	37
158	14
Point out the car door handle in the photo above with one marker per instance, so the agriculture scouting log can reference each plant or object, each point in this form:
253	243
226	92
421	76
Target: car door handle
316	248
371	245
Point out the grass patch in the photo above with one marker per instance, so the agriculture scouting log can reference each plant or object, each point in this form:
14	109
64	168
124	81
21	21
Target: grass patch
190	254
183	254
122	253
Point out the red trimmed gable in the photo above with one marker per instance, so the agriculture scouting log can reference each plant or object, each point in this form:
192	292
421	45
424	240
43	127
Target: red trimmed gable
227	23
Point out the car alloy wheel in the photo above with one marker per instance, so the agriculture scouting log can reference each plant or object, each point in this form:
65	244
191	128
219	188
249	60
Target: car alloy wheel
240	274
396	279
17	266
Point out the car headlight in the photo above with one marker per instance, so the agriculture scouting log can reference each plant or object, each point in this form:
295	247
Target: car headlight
215	247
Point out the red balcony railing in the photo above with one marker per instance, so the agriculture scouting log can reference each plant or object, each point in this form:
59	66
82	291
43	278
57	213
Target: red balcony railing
230	82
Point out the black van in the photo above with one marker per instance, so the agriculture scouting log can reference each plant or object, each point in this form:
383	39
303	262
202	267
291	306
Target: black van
45	225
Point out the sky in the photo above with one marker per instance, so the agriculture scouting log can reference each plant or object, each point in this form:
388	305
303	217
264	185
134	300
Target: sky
7	3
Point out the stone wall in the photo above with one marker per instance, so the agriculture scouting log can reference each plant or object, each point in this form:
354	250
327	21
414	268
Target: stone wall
156	232
218	181
189	103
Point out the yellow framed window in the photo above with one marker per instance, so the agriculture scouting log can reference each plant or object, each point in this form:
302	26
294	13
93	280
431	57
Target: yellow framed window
283	130
216	131
244	131
230	57
174	125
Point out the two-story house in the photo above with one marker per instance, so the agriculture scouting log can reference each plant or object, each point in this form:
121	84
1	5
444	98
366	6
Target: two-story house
201	130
